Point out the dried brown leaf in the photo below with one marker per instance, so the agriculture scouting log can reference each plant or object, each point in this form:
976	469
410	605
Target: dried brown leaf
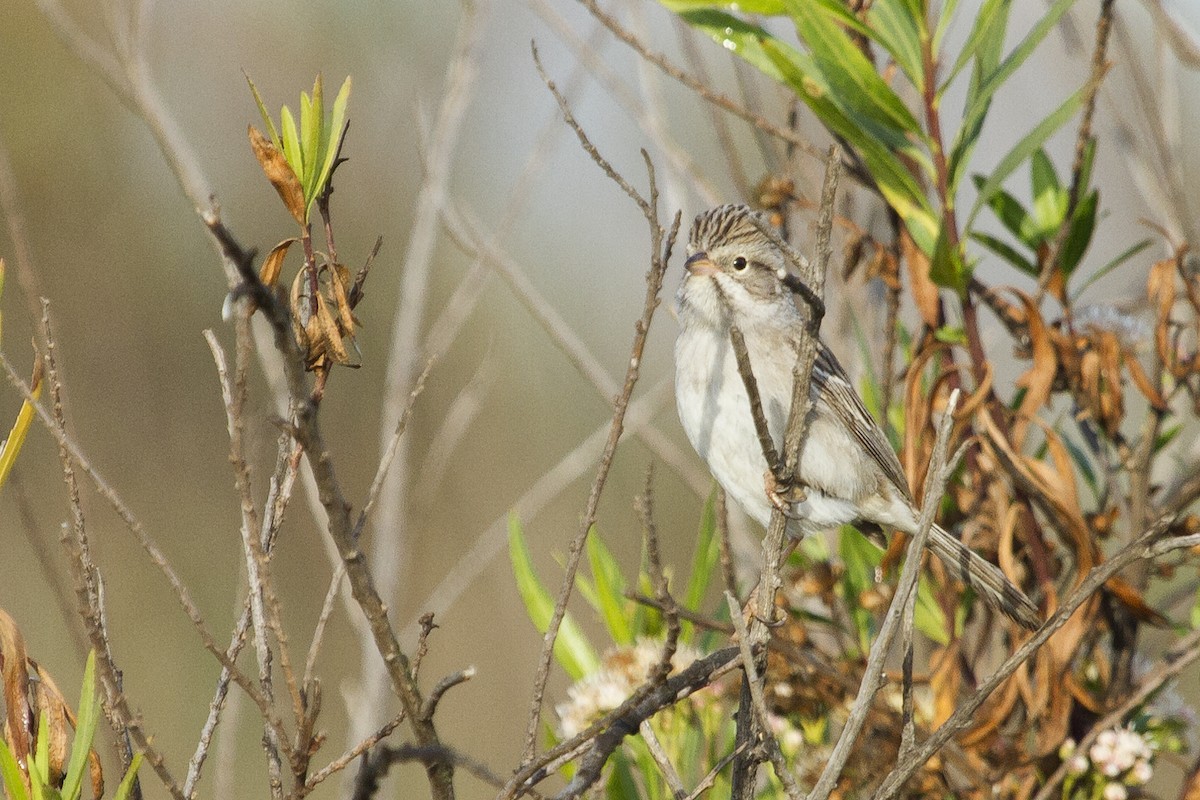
924	290
19	730
48	700
1039	379
279	173
273	263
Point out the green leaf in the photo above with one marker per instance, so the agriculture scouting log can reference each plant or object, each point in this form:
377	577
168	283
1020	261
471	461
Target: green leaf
1111	265
313	127
847	72
895	182
992	80
947	267
126	787
1049	198
333	139
14	782
85	731
1166	437
1007	208
1024	149
898	29
571	648
951	334
985	47
1007	252
291	142
861	559
985	40
1079	238
266	116
704	563
766	8
1083	464
928	616
610	589
945	17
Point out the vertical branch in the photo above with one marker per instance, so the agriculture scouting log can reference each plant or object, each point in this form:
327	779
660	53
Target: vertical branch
390	548
812	278
661	240
873	674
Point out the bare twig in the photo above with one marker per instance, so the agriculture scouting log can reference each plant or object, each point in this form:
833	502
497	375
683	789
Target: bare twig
89	587
1185	652
693	83
813	277
342	761
873	675
662	241
754	682
377	765
444	685
1138	549
670	774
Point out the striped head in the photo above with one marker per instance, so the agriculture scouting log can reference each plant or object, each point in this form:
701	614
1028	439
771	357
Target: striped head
733	267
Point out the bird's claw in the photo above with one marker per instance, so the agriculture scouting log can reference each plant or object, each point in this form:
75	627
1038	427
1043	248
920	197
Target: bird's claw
783	494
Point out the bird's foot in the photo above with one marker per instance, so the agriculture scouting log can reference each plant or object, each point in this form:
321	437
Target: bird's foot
783	494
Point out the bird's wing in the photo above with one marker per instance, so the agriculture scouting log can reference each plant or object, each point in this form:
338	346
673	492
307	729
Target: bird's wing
848	406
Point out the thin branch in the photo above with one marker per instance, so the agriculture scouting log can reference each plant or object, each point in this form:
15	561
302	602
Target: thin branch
670	774
873	675
343	761
662	241
961	718
1185	652
693	83
754	682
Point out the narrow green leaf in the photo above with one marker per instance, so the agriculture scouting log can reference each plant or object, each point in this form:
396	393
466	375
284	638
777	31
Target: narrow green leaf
860	559
334	138
1079	238
1111	265
291	142
945	17
847	73
947	267
766	8
310	136
1024	149
1166	437
1007	208
1007	252
10	771
704	563
991	23
994	79
1083	464
85	731
571	648
895	26
126	788
610	589
986	57
895	182
1049	198
41	758
928	616
266	115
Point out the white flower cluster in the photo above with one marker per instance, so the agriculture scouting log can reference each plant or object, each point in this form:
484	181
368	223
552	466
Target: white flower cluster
621	671
1120	758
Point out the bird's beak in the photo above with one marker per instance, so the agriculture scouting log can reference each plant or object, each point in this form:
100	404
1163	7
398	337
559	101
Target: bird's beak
699	265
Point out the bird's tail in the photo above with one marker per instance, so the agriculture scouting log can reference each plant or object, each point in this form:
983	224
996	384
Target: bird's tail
985	578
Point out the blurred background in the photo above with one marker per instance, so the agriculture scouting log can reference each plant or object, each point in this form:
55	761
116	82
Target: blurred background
95	221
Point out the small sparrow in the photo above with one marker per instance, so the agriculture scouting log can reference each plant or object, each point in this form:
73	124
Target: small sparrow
847	470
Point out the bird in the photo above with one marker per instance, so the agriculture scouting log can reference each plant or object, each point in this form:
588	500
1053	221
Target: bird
847	471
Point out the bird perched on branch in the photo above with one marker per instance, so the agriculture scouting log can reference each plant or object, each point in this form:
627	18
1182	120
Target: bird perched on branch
847	472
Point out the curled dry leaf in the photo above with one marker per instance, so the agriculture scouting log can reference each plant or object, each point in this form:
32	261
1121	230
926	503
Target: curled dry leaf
279	173
19	720
48	700
924	290
1039	378
273	263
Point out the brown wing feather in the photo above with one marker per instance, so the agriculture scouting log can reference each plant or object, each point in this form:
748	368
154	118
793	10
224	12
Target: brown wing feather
846	404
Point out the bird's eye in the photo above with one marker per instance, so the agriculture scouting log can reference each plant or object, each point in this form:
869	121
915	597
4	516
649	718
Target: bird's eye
739	263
